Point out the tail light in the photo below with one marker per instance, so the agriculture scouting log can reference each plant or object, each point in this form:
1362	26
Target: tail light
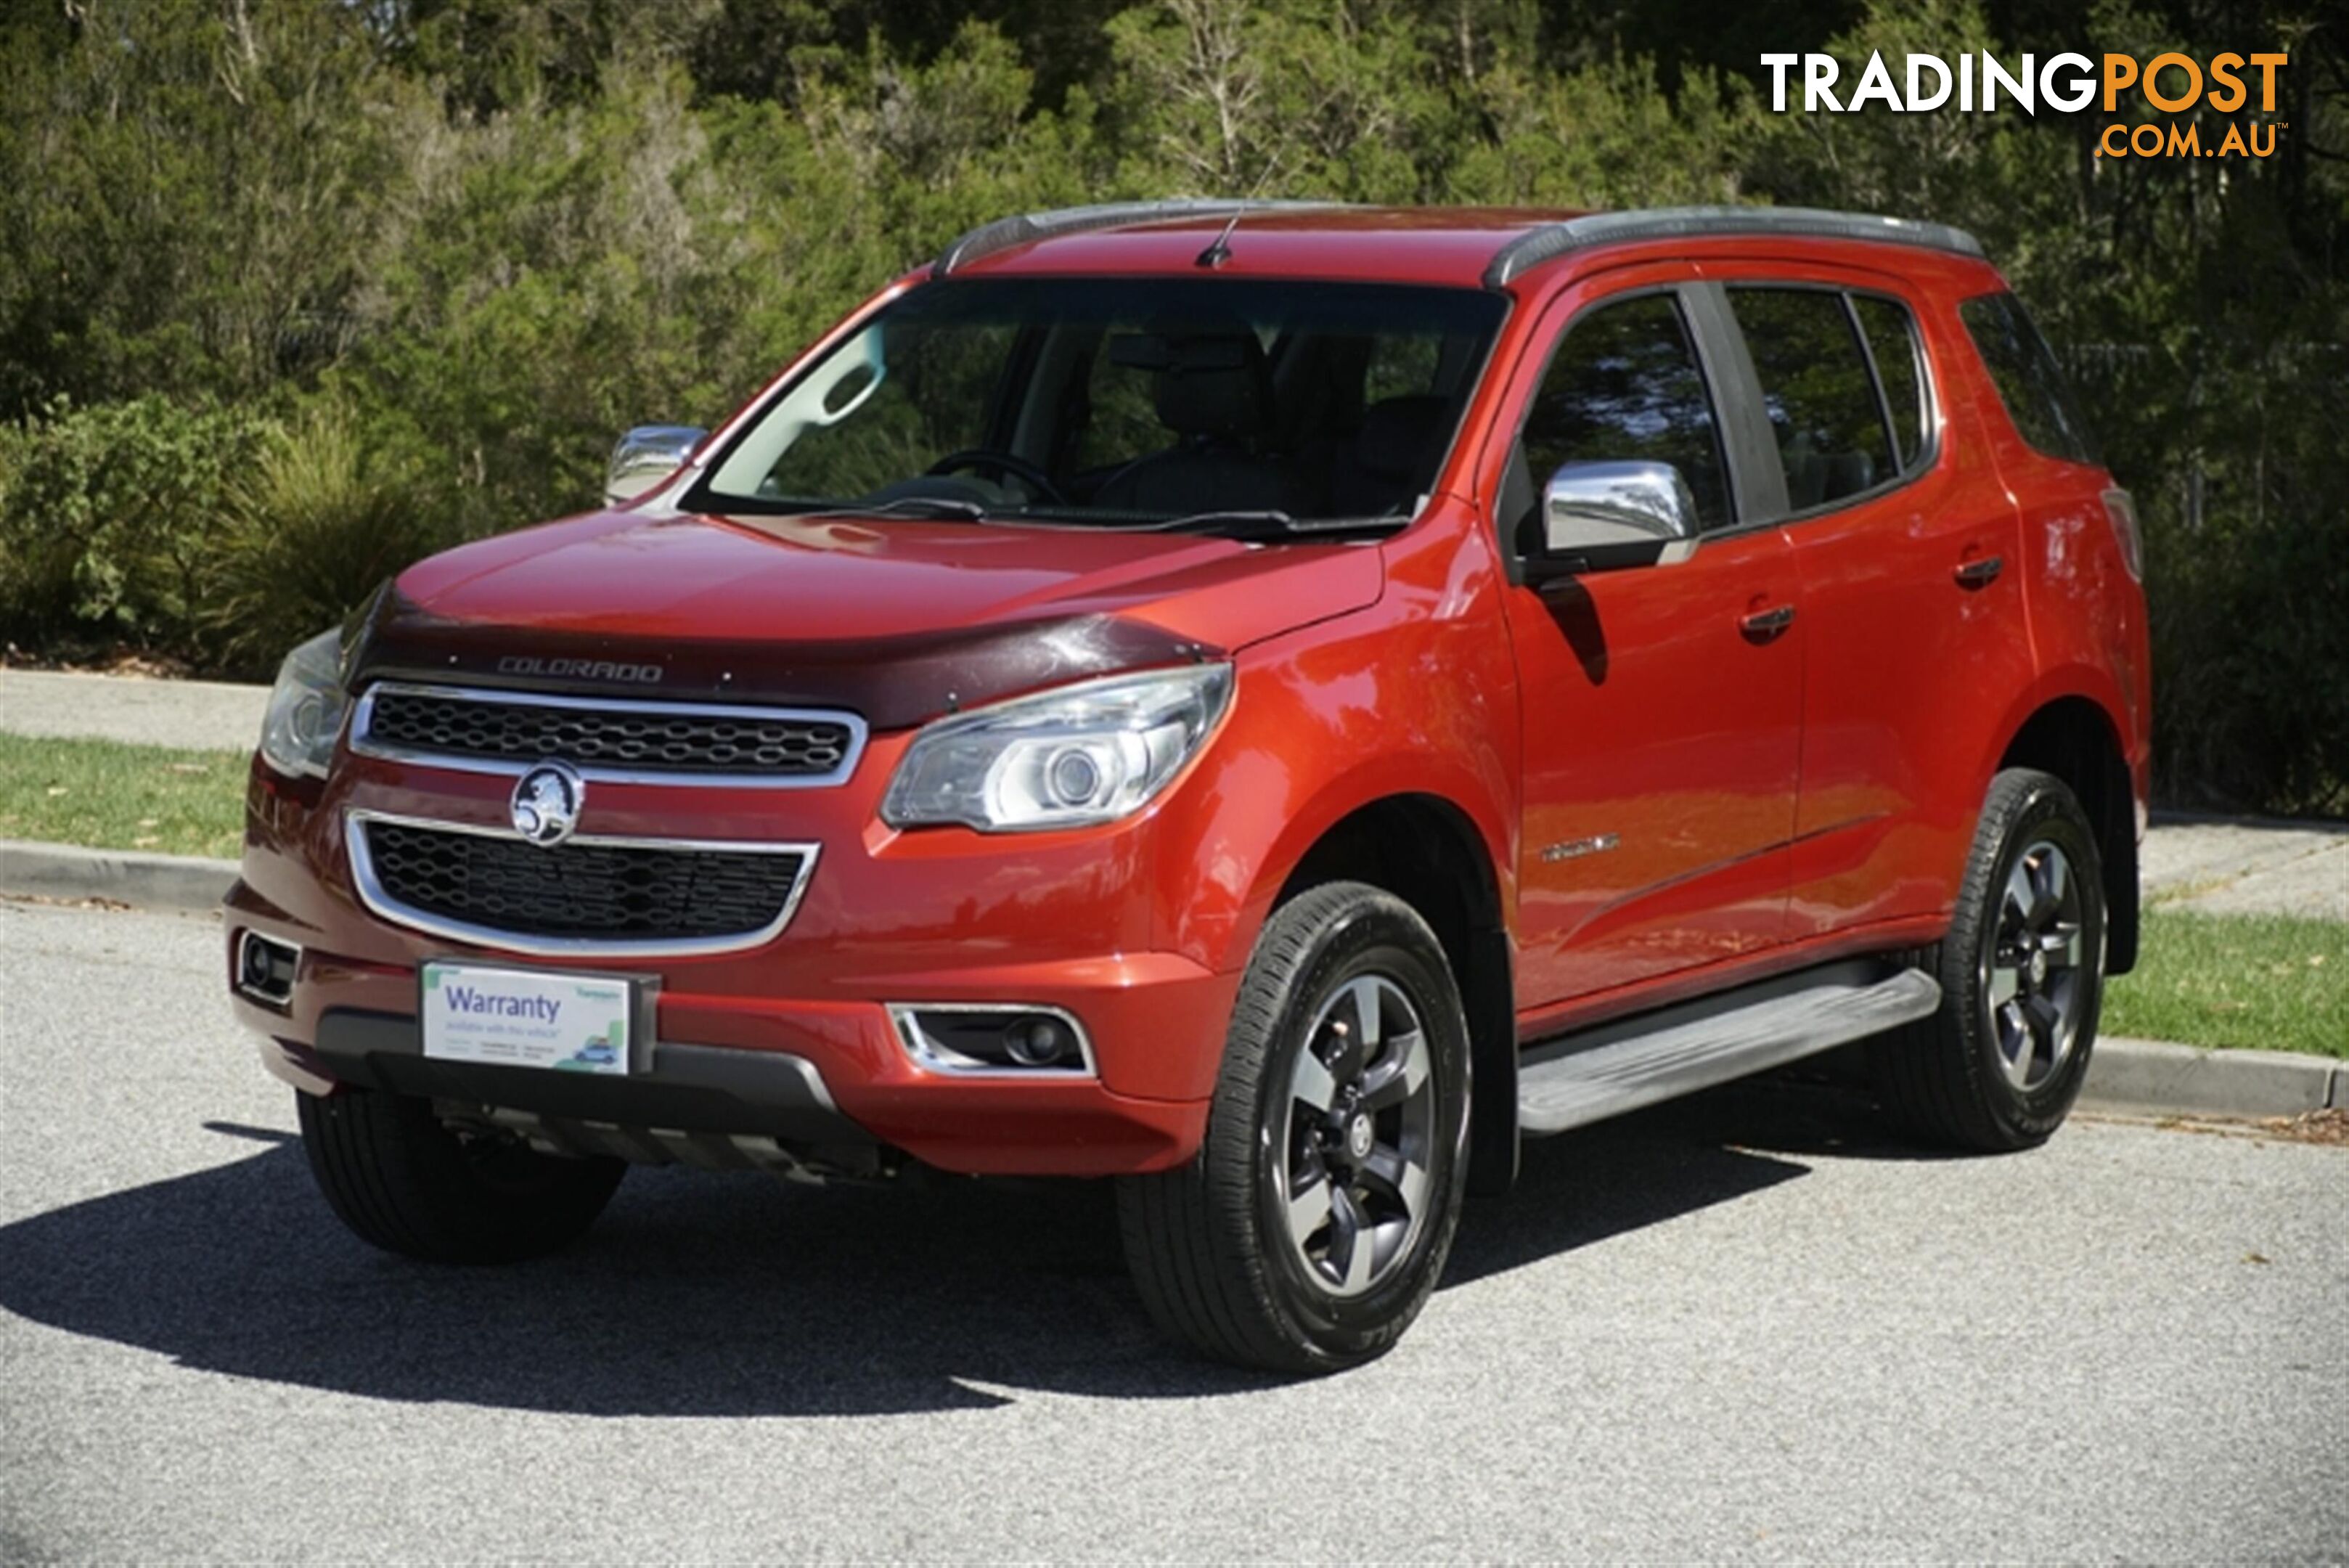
2122	514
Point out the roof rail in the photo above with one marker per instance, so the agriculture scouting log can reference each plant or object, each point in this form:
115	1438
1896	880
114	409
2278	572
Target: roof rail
1005	232
1552	240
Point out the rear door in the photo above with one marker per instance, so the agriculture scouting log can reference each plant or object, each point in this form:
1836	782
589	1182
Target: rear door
1661	705
1905	545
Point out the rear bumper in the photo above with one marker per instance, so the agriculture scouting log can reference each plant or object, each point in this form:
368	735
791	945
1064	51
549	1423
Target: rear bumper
827	1076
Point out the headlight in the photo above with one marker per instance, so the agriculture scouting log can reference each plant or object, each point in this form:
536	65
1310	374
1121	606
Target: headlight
1085	753
306	709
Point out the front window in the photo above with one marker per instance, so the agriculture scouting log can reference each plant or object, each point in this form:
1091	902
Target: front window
1626	386
1123	402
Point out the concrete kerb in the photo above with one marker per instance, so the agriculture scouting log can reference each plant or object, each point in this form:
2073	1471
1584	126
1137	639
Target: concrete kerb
2153	1077
185	883
2138	1077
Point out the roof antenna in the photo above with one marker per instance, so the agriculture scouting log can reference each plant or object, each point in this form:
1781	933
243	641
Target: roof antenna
1216	255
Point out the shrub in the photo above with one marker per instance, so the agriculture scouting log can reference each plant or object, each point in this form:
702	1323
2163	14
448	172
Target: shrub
217	535
110	516
2251	654
315	524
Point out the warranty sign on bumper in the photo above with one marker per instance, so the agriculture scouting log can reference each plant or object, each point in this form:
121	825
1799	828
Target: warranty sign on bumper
522	1018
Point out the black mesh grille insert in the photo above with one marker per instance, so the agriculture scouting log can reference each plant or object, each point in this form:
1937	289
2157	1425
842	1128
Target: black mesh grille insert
522	730
590	891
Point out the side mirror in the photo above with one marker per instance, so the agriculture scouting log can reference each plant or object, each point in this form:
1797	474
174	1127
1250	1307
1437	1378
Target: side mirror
644	456
1597	516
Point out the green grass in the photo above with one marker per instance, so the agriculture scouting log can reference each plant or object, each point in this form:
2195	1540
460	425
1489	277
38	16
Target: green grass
2269	982
111	795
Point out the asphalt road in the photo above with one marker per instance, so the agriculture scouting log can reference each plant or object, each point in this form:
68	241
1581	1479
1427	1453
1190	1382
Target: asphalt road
1745	1328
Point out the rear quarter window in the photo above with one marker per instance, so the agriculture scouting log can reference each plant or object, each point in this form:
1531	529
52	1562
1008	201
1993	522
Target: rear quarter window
2029	380
1892	347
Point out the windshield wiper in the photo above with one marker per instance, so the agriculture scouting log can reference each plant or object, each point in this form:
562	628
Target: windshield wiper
922	506
1270	524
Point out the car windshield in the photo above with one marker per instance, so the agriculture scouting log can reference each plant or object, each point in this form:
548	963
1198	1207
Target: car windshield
1123	402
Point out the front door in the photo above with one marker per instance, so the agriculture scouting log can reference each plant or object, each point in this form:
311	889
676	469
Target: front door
1661	705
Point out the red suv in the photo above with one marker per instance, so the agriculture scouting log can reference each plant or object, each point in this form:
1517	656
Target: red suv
1270	703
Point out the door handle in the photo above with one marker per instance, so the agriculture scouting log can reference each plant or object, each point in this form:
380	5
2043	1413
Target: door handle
1763	624
1980	572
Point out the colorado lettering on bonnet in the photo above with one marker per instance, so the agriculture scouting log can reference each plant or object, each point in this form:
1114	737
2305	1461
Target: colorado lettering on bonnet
583	669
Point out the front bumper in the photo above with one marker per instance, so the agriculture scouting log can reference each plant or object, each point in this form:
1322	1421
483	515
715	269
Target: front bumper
942	918
830	1078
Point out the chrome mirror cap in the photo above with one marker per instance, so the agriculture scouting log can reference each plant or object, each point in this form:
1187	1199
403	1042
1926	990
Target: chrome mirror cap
1601	506
644	457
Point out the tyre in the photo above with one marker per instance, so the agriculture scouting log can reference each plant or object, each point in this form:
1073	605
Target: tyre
1308	1231
405	1182
2022	975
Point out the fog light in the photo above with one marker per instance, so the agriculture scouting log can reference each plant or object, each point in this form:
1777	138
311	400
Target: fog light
264	968
946	1037
1036	1042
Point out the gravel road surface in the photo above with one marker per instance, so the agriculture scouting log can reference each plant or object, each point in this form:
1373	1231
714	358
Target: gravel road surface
131	708
1749	1328
2216	868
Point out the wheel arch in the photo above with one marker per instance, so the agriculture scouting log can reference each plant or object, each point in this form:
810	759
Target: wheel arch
2074	737
1427	850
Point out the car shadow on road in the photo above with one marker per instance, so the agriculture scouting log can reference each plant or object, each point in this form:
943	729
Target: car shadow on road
703	1295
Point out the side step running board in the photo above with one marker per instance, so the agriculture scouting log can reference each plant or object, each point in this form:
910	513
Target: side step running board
1638	1061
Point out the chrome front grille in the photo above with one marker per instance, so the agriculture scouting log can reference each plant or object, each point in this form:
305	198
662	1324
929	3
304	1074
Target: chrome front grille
623	739
623	896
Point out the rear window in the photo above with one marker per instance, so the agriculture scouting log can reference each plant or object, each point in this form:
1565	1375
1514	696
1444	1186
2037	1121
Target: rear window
2030	382
1822	402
